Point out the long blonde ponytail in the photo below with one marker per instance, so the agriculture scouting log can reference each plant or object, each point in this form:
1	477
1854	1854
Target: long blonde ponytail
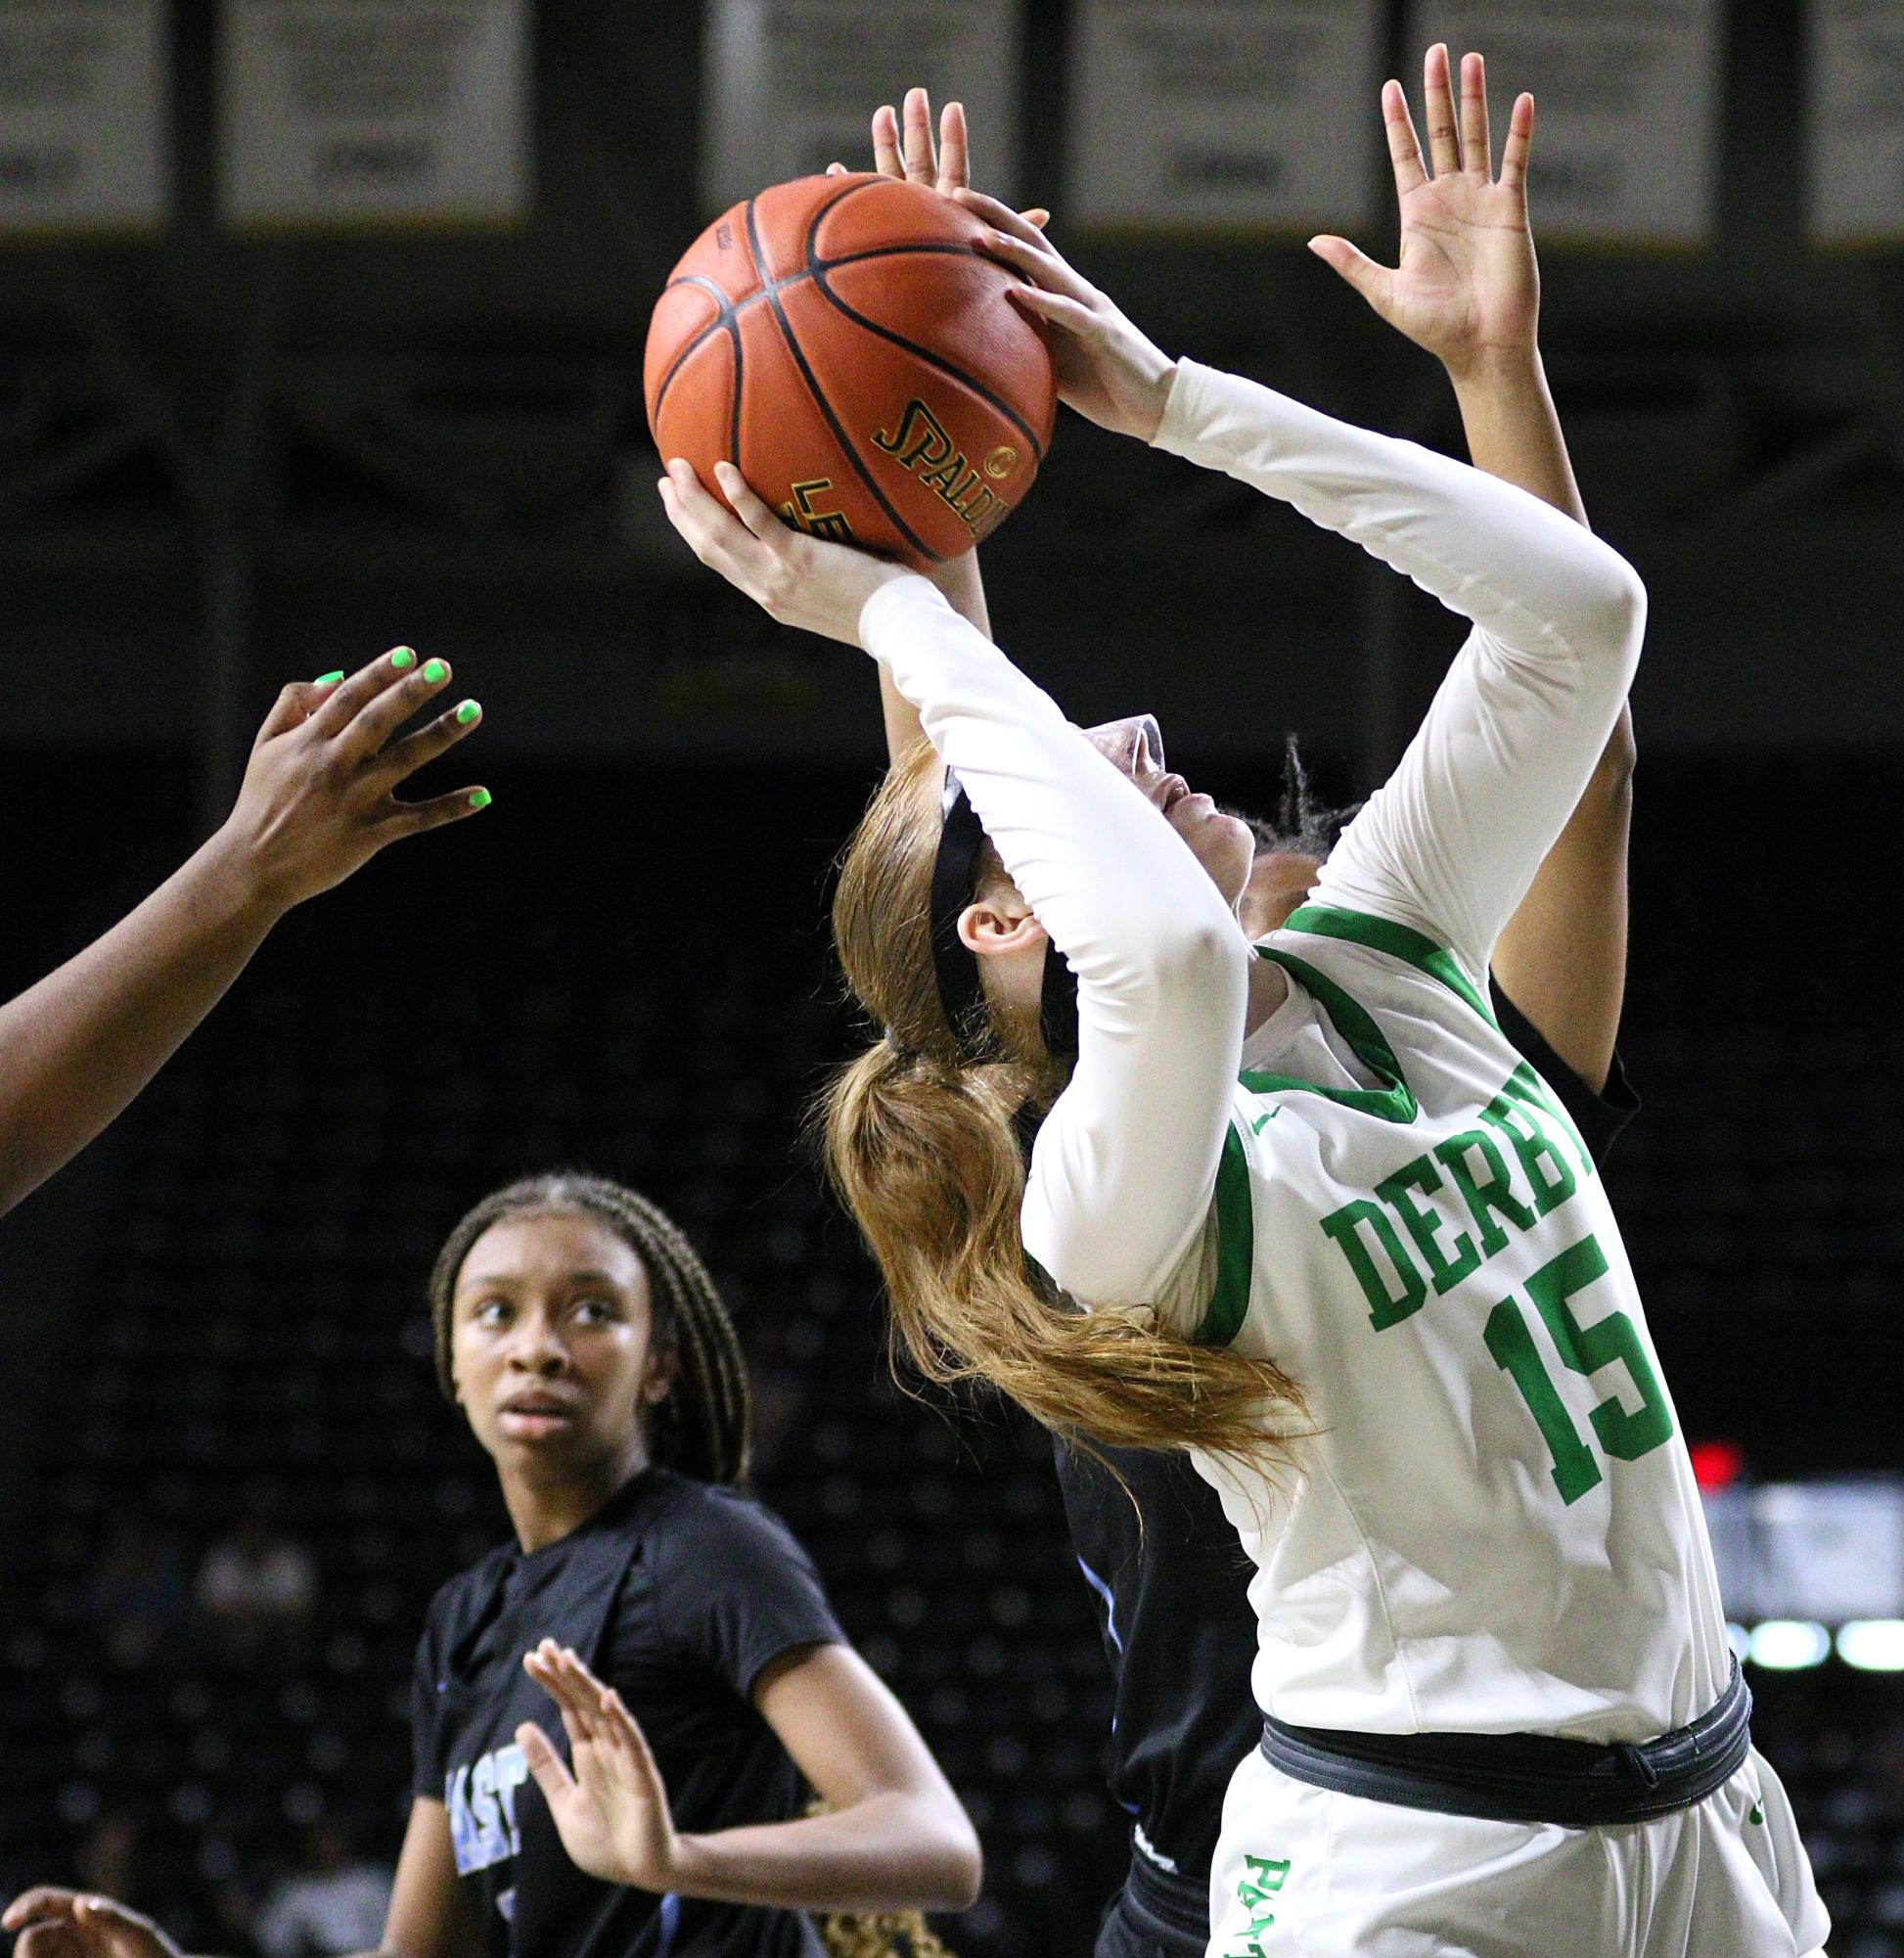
921	1146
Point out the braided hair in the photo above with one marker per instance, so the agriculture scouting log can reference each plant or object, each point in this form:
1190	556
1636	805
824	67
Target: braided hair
702	1427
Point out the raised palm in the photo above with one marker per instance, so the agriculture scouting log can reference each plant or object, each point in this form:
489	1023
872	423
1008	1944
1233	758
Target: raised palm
611	1811
1467	286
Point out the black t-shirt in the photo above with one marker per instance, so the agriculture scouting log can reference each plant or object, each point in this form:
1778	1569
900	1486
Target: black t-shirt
1178	1629
678	1594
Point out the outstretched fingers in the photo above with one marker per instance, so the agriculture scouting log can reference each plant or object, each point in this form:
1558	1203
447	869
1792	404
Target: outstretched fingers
921	167
716	536
1438	107
1404	146
886	159
344	701
402	758
573	1700
749	506
1361	271
1519	146
1021	225
550	1770
954	149
1477	145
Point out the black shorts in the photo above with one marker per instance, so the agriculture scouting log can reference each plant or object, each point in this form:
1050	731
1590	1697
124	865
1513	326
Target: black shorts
1155	1916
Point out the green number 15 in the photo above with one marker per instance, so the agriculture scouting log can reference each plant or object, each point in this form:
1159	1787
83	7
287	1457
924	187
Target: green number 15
1626	1434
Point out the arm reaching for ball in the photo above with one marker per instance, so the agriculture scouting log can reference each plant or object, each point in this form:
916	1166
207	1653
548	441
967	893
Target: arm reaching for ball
317	802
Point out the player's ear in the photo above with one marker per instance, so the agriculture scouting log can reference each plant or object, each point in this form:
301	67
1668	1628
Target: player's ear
657	1380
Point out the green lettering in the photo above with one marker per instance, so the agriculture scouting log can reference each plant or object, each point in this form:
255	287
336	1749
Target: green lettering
1483	1194
1385	1308
1526	1086
1533	1145
1422	1224
1626	1434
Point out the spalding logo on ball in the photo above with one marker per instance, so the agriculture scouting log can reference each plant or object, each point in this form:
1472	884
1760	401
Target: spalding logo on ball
846	344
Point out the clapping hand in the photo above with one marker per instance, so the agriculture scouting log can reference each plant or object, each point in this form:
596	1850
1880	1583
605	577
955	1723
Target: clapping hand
611	1809
1466	288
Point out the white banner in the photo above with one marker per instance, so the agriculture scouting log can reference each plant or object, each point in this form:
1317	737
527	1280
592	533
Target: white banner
1225	114
84	115
1854	122
373	112
1627	98
790	85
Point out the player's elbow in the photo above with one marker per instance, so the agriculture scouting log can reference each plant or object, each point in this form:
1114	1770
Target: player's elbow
960	1864
1200	963
1615	616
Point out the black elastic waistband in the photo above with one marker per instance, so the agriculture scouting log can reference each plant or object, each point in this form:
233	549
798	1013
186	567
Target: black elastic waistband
1525	1777
1179	1903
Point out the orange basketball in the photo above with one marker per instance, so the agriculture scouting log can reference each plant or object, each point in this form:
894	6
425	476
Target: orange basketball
844	343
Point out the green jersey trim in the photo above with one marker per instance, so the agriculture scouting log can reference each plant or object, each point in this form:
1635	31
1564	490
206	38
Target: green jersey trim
1399	941
1236	1246
1393	1100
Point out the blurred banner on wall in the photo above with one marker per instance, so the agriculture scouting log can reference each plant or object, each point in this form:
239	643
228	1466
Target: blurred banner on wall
1854	122
1627	104
84	118
790	86
1831	1550
1197	115
375	111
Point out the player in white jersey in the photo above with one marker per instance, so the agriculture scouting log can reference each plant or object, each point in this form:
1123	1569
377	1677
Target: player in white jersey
1323	1224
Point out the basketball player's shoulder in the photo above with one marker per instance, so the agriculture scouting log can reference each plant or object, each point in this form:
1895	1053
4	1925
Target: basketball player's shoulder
1368	952
696	1519
462	1599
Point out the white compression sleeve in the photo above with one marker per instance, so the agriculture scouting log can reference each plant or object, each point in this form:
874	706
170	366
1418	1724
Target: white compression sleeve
1449	845
1123	1167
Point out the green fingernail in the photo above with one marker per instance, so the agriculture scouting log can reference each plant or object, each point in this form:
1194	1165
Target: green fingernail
478	798
435	671
468	712
402	657
328	679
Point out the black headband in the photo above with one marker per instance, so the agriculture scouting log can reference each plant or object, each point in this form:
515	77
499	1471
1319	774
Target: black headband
955	966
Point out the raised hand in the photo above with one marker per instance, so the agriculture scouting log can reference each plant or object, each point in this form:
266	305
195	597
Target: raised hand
799	580
1466	288
318	799
55	1923
611	1810
914	160
1107	371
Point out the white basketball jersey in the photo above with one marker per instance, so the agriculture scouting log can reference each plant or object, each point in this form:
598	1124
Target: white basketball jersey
1494	1527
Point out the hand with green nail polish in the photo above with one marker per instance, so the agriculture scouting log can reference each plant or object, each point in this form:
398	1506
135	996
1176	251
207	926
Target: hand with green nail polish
319	795
318	800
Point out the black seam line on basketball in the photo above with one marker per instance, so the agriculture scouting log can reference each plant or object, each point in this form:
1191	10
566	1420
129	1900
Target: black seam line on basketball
819	267
932	359
732	309
723	318
736	398
840	435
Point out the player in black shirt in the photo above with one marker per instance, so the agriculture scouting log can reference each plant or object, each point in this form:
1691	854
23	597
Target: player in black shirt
698	1675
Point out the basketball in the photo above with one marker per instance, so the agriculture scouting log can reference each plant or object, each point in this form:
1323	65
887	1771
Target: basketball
846	343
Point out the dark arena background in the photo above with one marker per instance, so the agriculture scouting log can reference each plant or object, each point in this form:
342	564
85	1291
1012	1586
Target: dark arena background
238	447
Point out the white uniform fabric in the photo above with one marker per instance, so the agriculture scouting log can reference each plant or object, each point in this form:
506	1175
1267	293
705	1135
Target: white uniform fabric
1303	1873
1494	1528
